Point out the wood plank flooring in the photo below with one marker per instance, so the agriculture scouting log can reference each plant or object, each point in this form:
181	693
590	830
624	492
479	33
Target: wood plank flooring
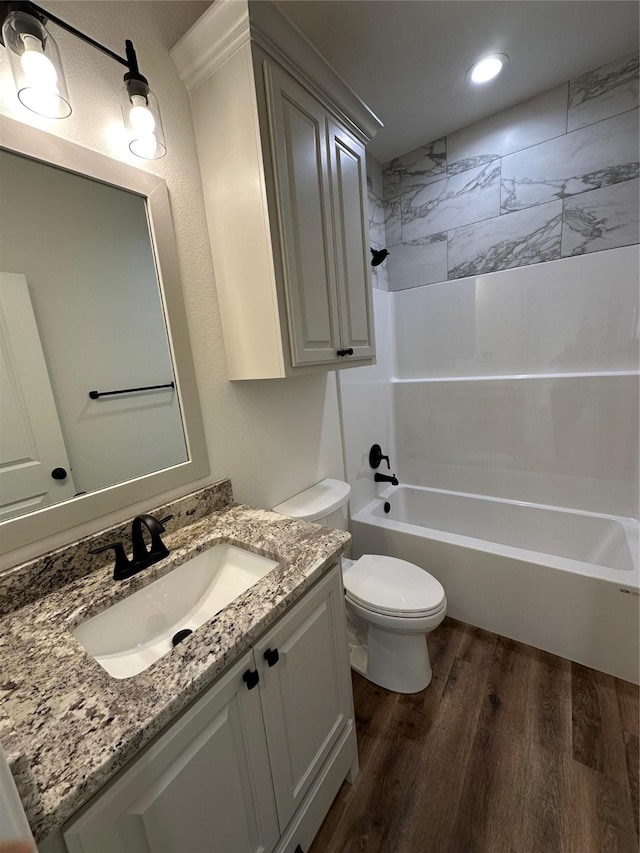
509	750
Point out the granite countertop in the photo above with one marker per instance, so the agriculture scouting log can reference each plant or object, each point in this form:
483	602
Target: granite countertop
66	725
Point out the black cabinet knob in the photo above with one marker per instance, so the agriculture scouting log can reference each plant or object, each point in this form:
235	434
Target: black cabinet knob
343	352
272	656
298	849
251	678
59	474
349	351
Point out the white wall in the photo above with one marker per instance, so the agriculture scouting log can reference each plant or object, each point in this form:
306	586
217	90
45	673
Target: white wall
520	384
271	438
367	409
523	383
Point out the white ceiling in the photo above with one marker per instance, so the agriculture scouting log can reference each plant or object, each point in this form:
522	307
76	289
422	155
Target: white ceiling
407	59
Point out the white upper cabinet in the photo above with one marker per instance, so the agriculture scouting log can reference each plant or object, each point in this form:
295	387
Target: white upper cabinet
351	241
298	137
281	141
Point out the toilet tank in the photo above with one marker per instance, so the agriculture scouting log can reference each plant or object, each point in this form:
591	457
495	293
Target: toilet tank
325	503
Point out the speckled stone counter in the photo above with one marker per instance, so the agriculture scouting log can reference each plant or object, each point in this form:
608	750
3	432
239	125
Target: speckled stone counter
66	725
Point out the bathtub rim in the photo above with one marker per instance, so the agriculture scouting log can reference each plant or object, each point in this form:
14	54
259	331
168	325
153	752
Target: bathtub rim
627	579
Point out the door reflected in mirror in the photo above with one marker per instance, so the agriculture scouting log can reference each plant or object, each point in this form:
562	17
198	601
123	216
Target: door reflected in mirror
81	310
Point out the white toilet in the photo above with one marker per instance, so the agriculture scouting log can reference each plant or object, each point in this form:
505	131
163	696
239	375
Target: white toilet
391	604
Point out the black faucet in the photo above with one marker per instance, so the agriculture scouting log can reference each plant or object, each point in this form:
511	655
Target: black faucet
386	478
142	557
158	550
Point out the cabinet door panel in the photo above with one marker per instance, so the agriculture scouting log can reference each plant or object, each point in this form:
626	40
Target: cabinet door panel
298	134
306	695
204	785
349	196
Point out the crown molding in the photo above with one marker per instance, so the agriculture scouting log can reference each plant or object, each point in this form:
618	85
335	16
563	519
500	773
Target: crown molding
213	38
229	24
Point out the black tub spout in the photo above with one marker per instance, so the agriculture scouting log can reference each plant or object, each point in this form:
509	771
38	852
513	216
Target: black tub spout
386	478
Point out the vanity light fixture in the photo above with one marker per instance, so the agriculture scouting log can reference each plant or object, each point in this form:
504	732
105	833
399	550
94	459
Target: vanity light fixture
39	77
487	68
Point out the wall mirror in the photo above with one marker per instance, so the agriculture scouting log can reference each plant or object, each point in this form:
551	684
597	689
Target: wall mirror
99	398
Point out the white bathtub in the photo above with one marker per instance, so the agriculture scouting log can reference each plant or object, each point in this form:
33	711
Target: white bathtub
561	580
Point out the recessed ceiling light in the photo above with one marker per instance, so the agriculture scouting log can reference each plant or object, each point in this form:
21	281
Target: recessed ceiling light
487	68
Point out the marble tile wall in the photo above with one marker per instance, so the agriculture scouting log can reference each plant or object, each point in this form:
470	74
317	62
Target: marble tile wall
553	177
377	235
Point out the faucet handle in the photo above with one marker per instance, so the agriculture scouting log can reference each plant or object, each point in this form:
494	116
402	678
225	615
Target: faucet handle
122	566
157	549
376	456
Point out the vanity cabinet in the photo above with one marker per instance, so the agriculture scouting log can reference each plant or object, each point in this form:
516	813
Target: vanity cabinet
305	688
281	142
203	785
254	764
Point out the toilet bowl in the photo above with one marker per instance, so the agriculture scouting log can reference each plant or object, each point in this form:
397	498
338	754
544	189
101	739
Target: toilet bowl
391	604
397	604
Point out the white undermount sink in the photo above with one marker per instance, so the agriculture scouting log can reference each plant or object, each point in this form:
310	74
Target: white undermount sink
134	633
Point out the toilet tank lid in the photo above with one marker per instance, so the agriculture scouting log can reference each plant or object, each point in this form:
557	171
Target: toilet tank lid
316	502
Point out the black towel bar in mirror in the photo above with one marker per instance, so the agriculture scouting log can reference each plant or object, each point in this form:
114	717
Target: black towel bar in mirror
95	394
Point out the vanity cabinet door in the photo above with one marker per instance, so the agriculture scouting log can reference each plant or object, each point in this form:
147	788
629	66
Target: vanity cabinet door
298	136
204	785
305	687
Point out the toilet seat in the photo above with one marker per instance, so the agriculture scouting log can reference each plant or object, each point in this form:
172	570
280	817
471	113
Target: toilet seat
393	587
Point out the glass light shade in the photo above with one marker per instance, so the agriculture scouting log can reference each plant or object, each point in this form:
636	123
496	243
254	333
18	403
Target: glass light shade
141	115
36	66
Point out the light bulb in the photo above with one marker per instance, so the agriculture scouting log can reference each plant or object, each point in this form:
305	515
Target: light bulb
38	69
140	116
488	68
142	119
39	91
35	65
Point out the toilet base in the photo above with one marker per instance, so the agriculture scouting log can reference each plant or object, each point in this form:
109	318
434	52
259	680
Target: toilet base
389	651
358	659
393	661
398	662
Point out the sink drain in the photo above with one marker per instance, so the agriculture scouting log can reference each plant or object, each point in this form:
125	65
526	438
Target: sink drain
181	635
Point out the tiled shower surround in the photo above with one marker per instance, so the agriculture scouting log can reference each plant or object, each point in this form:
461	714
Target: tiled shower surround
553	177
514	373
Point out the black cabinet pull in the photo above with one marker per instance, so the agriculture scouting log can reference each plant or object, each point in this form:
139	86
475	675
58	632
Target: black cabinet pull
59	474
349	351
251	678
343	352
272	656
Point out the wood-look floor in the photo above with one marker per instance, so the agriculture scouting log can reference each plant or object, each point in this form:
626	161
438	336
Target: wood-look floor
509	750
